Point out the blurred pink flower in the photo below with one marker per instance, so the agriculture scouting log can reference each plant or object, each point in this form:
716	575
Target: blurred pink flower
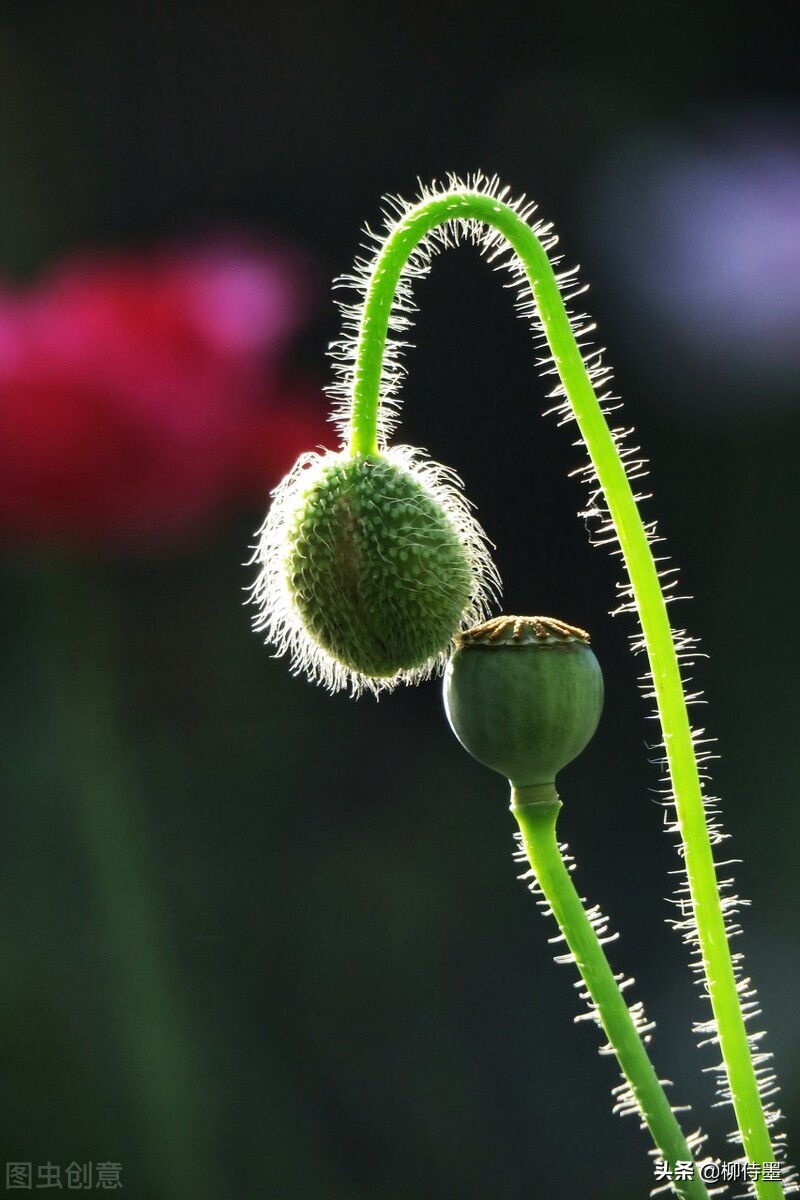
142	395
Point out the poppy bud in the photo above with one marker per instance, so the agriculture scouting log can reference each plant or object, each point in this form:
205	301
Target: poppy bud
370	567
524	695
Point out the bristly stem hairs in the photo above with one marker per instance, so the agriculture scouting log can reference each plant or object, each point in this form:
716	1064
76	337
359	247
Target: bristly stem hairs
369	375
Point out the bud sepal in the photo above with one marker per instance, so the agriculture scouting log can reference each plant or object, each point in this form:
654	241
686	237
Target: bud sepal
370	566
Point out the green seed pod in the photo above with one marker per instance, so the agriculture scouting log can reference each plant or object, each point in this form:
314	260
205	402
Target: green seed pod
370	567
523	695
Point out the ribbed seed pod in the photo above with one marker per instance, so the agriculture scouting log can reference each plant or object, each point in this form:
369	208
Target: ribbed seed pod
524	695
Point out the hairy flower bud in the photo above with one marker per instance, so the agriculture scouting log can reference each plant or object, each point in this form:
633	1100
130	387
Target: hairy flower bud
524	695
370	567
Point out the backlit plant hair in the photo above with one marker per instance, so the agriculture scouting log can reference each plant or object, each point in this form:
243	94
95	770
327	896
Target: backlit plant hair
370	564
369	375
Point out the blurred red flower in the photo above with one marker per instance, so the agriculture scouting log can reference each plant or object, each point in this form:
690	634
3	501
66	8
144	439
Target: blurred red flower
142	395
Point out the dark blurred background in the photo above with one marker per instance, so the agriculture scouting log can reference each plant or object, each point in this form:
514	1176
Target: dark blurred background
258	940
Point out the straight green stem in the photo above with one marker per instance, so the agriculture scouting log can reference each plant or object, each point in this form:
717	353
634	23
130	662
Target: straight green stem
537	823
164	1081
643	574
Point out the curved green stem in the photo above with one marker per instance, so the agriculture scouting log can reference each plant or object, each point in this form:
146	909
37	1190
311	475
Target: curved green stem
537	823
643	574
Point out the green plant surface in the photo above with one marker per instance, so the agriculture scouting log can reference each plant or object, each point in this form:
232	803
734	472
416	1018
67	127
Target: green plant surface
537	823
524	695
463	205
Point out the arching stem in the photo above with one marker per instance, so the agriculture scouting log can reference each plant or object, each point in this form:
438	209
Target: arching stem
393	256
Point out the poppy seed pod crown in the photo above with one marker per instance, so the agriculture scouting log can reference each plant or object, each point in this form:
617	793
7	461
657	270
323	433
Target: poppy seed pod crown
370	567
